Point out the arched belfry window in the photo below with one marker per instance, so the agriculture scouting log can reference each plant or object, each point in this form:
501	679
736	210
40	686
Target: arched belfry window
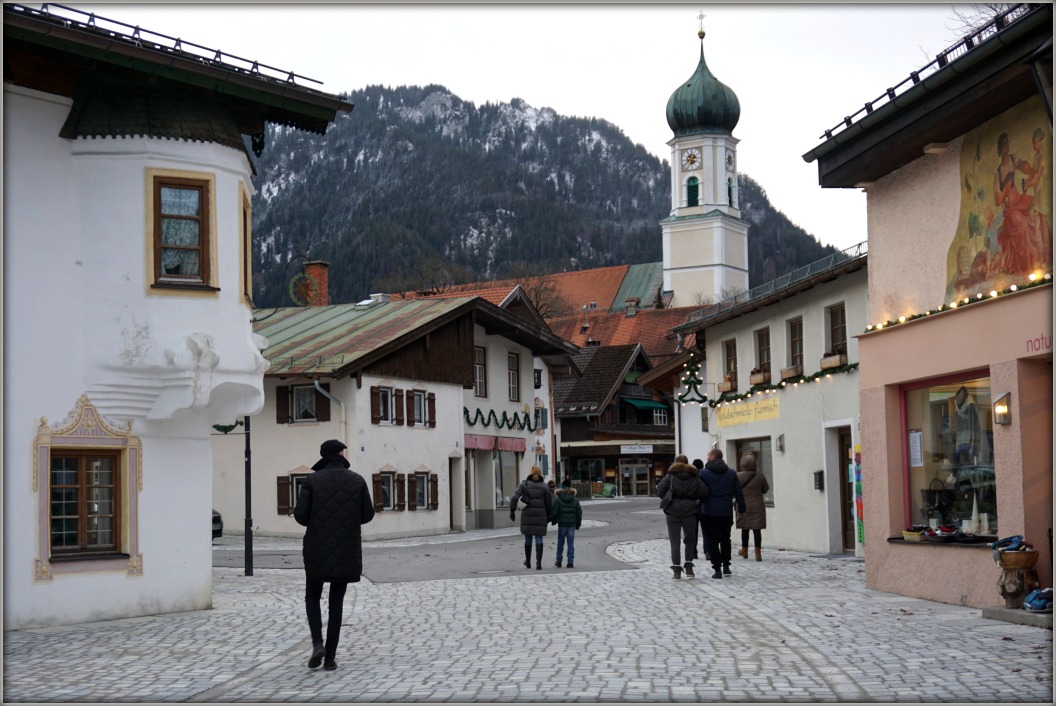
693	192
729	191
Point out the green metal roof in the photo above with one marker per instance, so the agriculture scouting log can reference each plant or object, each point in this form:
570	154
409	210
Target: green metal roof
645	404
640	281
703	104
323	340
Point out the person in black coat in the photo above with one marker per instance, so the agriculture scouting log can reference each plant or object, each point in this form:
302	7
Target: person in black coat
718	509
687	490
538	499
333	504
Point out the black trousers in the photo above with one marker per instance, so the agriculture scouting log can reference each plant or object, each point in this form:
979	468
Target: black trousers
718	529
757	534
313	594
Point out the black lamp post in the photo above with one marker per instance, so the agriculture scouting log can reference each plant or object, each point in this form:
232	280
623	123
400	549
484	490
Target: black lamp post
226	429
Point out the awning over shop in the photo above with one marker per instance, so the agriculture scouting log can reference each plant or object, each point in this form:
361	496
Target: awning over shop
645	404
511	443
482	442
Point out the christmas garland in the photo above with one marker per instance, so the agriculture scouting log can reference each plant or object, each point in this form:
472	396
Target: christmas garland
505	422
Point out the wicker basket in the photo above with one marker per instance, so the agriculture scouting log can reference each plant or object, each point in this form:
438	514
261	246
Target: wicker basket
912	536
1017	560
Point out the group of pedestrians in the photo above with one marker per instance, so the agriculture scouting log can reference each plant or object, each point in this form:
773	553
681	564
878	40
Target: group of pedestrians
706	495
545	504
334	503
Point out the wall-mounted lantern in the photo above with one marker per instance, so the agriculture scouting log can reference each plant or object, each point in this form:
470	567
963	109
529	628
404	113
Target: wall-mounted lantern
1003	409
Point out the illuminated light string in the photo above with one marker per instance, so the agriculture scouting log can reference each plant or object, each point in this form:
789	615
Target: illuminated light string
692	381
794	382
1035	280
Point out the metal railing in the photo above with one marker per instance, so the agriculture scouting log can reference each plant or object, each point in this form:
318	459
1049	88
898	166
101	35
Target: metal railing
155	41
947	55
776	285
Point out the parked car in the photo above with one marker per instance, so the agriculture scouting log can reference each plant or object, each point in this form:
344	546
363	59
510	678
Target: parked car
218	525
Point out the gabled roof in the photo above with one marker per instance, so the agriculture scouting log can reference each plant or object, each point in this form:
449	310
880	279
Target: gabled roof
652	328
603	370
512	299
72	53
342	339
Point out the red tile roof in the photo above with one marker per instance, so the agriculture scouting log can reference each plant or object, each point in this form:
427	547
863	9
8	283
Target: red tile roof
649	327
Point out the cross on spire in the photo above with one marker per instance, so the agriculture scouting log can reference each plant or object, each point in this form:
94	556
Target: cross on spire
700	32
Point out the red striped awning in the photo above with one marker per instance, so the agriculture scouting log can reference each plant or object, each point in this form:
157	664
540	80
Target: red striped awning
482	442
512	443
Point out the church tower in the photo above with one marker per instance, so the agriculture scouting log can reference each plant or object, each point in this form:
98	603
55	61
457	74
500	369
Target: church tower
705	242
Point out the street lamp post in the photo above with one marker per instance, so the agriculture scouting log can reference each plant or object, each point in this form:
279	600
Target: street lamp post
249	504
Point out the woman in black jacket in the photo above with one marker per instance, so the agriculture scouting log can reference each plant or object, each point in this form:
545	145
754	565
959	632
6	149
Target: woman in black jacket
538	500
687	488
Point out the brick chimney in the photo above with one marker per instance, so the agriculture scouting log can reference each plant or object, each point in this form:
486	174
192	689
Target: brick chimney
319	270
632	304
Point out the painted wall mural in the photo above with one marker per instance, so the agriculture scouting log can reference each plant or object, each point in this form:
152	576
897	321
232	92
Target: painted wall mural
1005	228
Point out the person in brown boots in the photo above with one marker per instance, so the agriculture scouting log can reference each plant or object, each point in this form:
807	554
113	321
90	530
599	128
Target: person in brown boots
754	485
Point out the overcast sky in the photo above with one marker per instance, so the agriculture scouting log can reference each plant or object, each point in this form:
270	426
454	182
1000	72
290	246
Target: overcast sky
796	69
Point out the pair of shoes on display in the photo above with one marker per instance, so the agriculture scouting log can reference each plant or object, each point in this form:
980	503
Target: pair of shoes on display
1039	601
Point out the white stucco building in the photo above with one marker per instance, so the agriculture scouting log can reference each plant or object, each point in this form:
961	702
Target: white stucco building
126	231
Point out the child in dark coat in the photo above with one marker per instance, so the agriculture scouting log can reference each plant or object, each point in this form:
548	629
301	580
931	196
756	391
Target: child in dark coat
567	514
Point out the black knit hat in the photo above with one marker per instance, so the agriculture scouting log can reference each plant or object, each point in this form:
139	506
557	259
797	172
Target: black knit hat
331	448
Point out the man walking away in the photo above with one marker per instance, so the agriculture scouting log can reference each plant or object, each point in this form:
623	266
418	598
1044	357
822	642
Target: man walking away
333	504
717	510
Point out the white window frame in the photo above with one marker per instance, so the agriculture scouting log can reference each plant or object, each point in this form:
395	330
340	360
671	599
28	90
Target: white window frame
386	405
513	376
660	417
421	491
480	371
388	483
419	399
302	391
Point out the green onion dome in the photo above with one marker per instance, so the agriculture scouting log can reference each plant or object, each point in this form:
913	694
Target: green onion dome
703	104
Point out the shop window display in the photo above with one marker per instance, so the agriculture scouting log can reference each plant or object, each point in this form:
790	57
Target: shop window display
949	435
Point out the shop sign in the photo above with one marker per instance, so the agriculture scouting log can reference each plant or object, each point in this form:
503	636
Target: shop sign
627	449
731	415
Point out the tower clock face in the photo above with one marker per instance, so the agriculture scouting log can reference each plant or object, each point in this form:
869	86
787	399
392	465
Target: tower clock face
691	158
731	161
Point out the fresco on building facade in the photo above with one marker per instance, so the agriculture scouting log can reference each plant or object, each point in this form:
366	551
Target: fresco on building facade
1005	228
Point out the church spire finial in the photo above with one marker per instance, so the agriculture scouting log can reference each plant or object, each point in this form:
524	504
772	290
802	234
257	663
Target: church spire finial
700	32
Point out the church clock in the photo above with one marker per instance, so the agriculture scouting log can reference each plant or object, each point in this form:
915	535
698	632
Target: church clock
730	160
691	158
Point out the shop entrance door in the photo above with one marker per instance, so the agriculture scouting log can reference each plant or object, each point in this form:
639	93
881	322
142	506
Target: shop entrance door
634	476
843	444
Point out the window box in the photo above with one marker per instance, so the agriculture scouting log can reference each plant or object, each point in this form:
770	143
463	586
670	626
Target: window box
760	378
791	372
833	361
728	385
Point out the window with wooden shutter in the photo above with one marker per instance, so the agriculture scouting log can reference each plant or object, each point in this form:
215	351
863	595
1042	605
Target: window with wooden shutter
379	492
282	405
434	491
398	404
375	405
412	407
412	492
401	493
430	404
282	495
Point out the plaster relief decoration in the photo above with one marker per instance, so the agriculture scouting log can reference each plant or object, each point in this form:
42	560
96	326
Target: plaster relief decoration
1005	229
85	432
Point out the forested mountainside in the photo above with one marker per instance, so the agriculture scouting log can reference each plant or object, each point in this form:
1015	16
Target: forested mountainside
416	184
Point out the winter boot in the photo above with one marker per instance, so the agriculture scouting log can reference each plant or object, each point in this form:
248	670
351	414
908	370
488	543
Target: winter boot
717	574
726	569
689	569
678	571
539	557
758	554
557	563
527	556
743	551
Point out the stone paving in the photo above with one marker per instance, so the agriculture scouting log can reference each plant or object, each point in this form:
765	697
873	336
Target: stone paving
794	628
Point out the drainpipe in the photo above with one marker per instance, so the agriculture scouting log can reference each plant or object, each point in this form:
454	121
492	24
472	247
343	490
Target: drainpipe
327	395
